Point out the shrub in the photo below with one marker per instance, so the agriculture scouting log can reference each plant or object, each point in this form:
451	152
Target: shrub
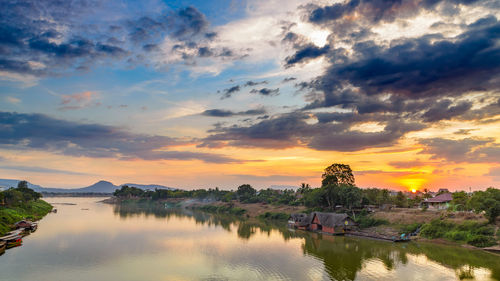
471	232
436	229
481	241
457	235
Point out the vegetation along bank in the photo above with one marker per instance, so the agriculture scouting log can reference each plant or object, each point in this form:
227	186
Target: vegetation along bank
20	203
465	218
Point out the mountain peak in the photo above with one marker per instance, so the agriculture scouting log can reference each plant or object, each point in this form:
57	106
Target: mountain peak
103	182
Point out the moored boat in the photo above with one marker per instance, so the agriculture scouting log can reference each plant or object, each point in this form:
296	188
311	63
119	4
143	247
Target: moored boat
28	225
19	231
3	245
12	240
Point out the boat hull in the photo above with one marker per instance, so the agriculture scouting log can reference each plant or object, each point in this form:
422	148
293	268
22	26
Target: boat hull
14	243
3	245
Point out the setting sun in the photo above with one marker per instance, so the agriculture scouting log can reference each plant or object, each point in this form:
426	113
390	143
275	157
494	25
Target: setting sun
413	184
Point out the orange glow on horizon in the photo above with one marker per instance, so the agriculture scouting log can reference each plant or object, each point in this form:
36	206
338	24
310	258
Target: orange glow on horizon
412	184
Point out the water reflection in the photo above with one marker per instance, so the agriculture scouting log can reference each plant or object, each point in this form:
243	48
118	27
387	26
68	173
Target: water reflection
344	257
145	242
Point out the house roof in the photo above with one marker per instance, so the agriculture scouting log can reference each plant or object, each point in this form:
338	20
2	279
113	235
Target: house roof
301	218
330	219
445	197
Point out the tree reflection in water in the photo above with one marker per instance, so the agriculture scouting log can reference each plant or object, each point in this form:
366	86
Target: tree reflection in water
343	257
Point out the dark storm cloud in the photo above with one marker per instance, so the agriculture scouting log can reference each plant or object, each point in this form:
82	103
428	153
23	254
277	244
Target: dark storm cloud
183	24
443	110
423	76
305	54
254	83
423	79
190	22
374	11
266	92
227	93
229	113
420	67
289	130
205	52
333	12
41	132
463	150
50	37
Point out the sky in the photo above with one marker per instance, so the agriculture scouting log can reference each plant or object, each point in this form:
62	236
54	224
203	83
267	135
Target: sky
204	94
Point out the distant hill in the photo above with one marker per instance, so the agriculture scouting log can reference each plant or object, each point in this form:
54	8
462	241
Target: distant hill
7	183
98	187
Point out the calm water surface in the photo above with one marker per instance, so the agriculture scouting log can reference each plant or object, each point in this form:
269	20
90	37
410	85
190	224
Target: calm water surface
109	242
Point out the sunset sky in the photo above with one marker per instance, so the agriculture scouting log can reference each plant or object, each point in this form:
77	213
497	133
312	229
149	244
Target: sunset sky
199	94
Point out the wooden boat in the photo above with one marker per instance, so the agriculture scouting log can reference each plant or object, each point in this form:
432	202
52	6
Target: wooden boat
19	231
3	245
28	225
12	240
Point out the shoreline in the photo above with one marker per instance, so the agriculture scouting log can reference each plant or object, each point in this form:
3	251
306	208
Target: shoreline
11	215
255	211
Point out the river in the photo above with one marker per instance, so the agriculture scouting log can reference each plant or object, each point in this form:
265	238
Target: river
95	241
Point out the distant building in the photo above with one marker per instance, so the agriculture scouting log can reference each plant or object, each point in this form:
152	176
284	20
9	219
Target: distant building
440	202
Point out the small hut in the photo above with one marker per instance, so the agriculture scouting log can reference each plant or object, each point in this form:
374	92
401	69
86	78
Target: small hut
331	223
440	202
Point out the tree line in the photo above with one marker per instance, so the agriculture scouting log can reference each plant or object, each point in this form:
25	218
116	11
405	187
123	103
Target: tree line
338	190
22	194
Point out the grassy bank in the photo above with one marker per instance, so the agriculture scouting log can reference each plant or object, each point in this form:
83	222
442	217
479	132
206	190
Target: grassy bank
437	226
471	232
33	210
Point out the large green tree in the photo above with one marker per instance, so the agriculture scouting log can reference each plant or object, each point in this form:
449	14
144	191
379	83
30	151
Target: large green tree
337	174
487	201
245	192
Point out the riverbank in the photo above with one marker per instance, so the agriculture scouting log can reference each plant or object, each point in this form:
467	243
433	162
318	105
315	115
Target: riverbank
454	228
33	210
444	227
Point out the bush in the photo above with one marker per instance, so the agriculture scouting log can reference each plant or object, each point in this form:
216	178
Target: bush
457	235
481	241
436	229
471	232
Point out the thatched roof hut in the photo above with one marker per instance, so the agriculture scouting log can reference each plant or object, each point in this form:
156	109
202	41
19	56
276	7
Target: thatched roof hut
333	219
